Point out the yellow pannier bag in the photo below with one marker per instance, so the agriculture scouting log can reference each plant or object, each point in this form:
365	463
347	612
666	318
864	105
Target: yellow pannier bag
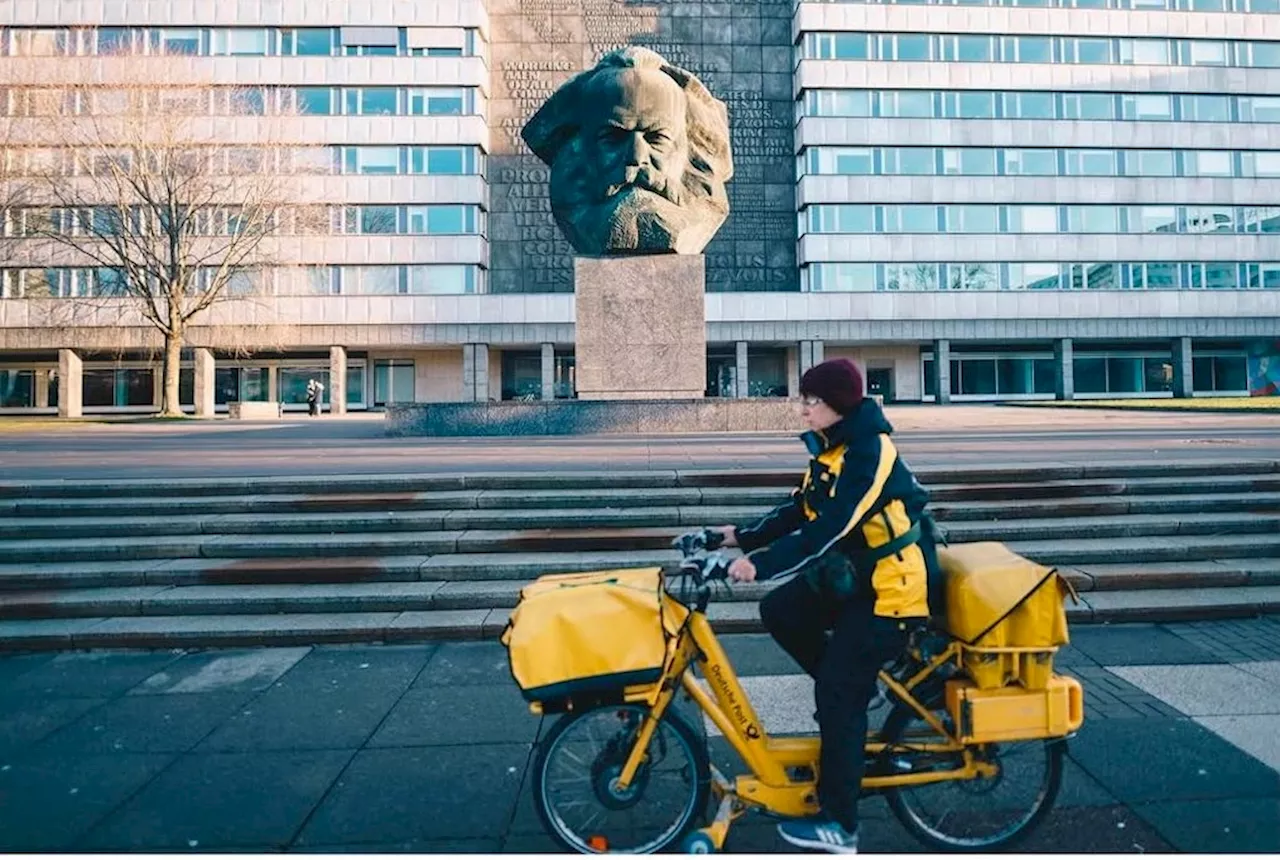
573	634
998	600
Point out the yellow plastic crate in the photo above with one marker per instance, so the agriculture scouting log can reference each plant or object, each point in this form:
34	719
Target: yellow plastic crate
1016	714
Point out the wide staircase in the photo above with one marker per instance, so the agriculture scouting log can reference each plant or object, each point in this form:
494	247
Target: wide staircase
276	561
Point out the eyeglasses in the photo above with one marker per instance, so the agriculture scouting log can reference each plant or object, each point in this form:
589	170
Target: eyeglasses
811	401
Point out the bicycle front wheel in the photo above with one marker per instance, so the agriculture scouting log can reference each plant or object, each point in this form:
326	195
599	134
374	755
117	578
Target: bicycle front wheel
981	814
575	782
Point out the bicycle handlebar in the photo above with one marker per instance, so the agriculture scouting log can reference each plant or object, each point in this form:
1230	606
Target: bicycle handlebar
699	559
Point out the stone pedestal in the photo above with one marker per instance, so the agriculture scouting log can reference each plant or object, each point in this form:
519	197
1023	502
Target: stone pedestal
70	384
337	380
204	377
641	327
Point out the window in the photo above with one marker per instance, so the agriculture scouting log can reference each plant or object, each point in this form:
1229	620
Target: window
442	220
1031	162
968	49
906	47
437	102
1263	163
1264	276
1146	107
907	103
1088	106
972	219
1210	219
1153	276
371	219
1206	108
1212	276
1207	163
969	162
910	276
371	160
1029	106
1144	52
1087	51
239	42
17	389
1259	108
1153	219
315	101
442	160
1263	55
1027	49
911	219
1033	219
40	43
112	41
1033	276
307	42
371	101
1220	373
1093	219
1203	52
841	277
838	102
1090	162
973	276
371	280
1261	219
1149	162
969	105
842	219
442	280
844	162
840	46
250	101
909	161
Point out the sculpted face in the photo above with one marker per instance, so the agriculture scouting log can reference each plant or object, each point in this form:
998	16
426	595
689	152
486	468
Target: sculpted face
639	154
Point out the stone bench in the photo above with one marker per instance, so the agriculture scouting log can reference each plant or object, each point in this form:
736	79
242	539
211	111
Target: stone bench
249	409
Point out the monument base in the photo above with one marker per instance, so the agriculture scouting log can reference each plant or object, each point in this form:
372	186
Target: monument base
640	327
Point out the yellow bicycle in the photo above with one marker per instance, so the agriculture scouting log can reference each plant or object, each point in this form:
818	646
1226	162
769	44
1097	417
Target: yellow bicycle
970	756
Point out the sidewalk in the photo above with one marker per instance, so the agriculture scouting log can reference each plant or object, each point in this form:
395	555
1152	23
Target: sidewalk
425	748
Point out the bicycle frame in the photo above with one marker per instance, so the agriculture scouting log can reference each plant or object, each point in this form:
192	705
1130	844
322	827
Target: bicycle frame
770	786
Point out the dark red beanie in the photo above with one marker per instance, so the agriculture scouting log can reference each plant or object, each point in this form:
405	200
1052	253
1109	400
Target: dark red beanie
838	382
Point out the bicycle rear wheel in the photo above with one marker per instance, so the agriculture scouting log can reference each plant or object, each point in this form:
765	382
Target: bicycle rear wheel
575	773
981	814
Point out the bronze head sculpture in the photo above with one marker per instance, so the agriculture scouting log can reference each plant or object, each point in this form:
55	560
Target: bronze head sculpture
639	157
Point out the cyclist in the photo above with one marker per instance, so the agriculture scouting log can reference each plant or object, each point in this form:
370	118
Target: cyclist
852	532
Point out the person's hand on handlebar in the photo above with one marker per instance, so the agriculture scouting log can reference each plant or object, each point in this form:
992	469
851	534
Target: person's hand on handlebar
729	533
742	570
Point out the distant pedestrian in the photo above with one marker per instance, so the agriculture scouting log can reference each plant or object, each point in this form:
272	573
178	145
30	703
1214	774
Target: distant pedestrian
314	392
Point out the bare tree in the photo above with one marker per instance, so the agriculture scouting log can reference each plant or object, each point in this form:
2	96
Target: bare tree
177	193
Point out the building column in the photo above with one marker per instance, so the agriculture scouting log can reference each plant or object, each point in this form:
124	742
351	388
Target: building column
475	372
548	371
1064	355
337	380
203	383
70	384
942	371
42	389
740	374
1183	374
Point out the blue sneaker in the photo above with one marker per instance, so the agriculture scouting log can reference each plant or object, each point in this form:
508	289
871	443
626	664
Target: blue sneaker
819	834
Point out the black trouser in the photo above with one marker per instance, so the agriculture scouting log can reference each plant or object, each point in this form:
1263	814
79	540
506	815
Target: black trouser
844	671
314	407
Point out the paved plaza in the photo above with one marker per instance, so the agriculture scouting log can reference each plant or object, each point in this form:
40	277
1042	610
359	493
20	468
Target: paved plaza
426	748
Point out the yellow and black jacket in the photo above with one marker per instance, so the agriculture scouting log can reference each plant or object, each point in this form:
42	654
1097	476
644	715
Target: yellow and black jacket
857	499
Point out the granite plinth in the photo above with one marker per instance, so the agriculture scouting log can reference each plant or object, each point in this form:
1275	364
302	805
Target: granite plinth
640	327
590	418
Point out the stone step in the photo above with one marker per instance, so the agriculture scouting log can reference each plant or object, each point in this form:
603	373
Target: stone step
190	631
1152	528
62	528
591	478
255	598
335	500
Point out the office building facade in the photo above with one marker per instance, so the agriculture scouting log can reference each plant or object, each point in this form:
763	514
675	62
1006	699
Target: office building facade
976	201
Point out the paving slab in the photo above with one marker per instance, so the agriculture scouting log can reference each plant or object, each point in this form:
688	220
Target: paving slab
331	699
222	671
89	674
1135	645
25	721
51	800
409	846
222	799
1258	735
437	793
451	716
459	664
1162	759
1241	826
146	724
1205	690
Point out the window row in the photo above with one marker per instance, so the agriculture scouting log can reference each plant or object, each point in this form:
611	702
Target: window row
985	104
354	160
918	277
991	218
244	41
1149	5
1070	50
437	219
244	101
987	161
389	280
